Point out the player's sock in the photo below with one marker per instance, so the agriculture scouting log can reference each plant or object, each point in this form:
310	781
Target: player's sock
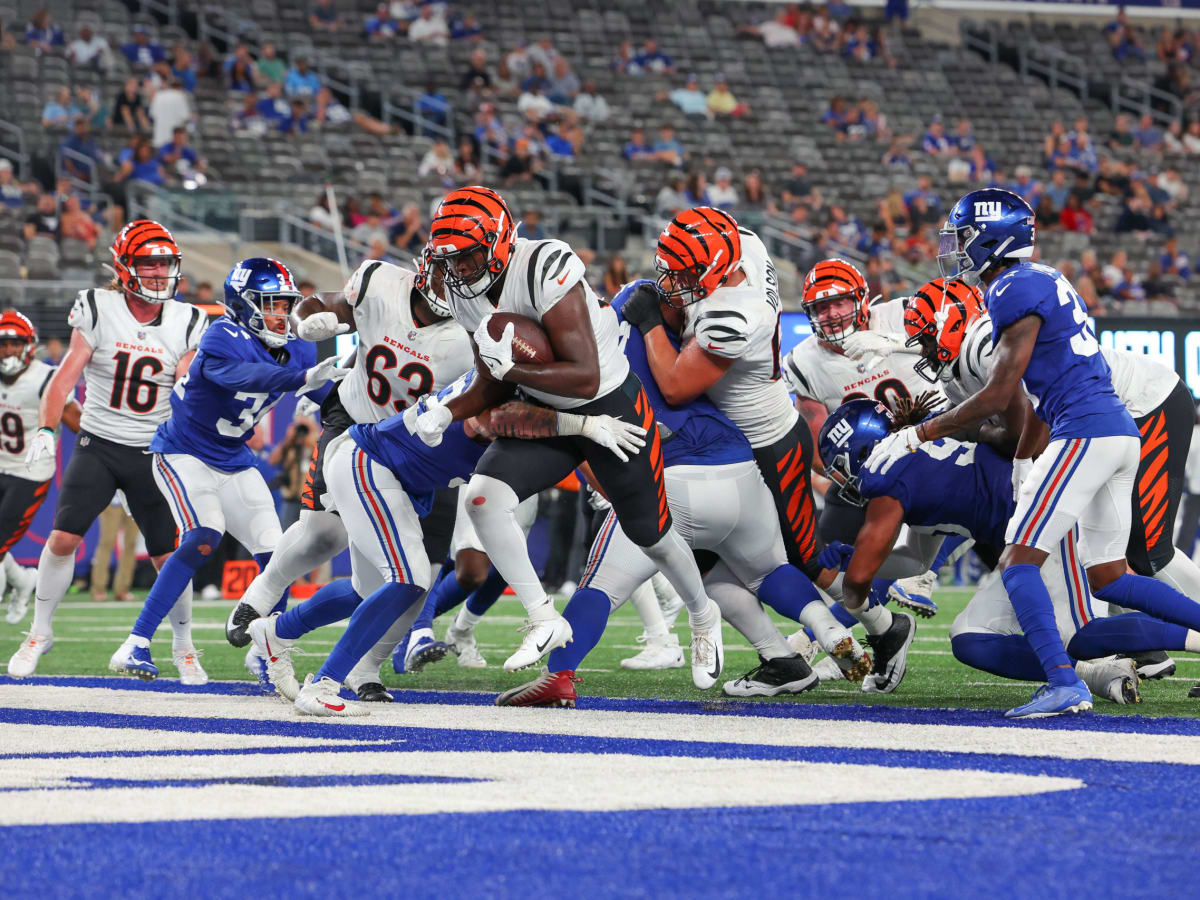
180	617
264	560
1155	598
949	545
312	540
1182	574
176	574
6	570
54	576
674	559
787	591
371	620
876	599
485	596
1006	655
645	601
332	603
492	507
1031	602
587	611
1129	633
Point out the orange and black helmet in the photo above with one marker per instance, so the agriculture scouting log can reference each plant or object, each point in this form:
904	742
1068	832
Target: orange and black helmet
140	242
16	327
471	240
697	252
936	319
828	281
431	285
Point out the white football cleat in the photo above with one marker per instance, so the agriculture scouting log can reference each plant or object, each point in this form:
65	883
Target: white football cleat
188	664
846	652
24	661
708	652
1115	678
540	638
660	653
278	655
322	698
916	593
20	591
803	644
462	644
828	669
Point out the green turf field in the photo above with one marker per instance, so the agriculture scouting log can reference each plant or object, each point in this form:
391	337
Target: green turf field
86	634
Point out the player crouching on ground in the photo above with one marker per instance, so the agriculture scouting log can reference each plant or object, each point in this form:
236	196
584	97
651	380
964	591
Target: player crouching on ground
244	365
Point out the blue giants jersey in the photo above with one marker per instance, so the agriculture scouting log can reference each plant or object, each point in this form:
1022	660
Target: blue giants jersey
697	433
232	382
420	469
949	487
1067	380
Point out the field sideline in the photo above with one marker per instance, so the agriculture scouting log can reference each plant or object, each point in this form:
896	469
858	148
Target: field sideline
87	633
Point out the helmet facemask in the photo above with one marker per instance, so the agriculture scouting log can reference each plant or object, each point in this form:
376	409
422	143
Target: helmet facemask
481	269
835	330
17	361
431	285
264	306
139	283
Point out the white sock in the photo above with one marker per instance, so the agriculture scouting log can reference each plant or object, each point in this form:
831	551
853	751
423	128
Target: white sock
5	569
674	559
741	609
53	578
875	619
645	601
1191	641
134	641
492	507
466	620
181	621
825	628
1182	574
315	538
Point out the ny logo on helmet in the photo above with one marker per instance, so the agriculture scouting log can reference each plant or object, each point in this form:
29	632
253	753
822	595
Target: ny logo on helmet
988	209
841	432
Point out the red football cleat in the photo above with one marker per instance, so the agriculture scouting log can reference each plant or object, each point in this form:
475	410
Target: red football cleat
548	689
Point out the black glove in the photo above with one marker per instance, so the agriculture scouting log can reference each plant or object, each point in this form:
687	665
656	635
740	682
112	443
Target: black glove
641	309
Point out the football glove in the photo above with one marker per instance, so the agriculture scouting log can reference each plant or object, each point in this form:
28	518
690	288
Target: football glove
320	327
891	448
322	373
496	355
1020	472
641	310
41	446
428	418
597	500
871	346
836	556
622	438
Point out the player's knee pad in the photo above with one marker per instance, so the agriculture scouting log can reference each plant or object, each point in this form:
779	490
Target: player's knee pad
322	532
486	494
197	545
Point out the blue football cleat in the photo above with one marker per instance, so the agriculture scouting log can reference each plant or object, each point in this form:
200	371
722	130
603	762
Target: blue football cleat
256	665
423	649
916	594
133	660
1054	700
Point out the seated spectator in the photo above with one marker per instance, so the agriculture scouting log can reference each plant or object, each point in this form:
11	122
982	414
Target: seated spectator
1172	184
1111	271
536	77
624	62
169	110
272	106
388	215
893	212
83	148
590	105
1147	134
324	16
667	149
1046	213
935	141
721	101
564	85
381	26
531	227
518	62
798	188
652	60
301	81
429	27
319	213
141	52
869	123
533	102
90	51
1155	286
477	79
1129	289
369	230
982	169
1173	262
466	163
920	213
1191	138
671	199
638	149
464	26
78	225
1160	222
556	140
1062	155
183	68
964	137
824	33
876	243
1123	39
437	163
776	32
755	197
44	220
1135	215
242	77
1058	131
837	116
925	189
42	34
143	166
1122	135
299	120
897	156
179	158
56	113
846	229
489	131
858	44
270	67
723	194
543	53
12	192
1026	186
1113	178
1173	138
799	226
433	107
690	99
1058	190
520	165
695	190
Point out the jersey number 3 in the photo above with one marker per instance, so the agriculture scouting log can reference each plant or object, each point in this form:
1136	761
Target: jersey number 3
378	387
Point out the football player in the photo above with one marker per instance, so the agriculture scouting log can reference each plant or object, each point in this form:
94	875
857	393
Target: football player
246	362
486	269
23	380
843	361
718	500
131	342
986	635
1085	476
408	346
381	478
948	323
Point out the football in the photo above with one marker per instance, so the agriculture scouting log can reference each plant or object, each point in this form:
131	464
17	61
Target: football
530	343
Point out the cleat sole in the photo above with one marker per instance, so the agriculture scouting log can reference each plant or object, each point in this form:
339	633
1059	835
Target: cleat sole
852	669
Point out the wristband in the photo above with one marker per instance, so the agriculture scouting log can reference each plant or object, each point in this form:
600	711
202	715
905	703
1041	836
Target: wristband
570	424
47	429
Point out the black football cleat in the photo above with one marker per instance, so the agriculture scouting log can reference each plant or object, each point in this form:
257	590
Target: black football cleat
374	692
891	654
1153	664
238	623
782	675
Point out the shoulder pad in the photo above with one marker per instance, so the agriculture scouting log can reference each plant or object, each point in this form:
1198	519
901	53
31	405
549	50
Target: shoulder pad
84	314
724	332
553	269
360	282
793	373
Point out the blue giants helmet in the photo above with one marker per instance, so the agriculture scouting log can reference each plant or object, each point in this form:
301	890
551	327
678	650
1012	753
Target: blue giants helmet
847	439
983	228
249	284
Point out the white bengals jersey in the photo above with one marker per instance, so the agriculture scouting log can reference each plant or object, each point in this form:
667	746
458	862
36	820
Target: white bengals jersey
397	362
742	323
540	273
132	370
19	403
816	371
1142	384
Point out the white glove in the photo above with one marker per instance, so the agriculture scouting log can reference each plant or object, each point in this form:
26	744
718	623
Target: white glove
427	419
496	355
322	373
597	500
320	327
1021	469
307	409
41	445
891	448
871	346
622	438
